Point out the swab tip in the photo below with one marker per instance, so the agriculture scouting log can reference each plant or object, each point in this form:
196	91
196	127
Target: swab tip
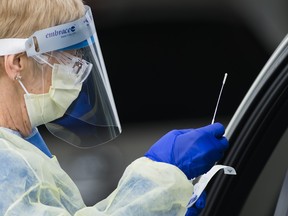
225	76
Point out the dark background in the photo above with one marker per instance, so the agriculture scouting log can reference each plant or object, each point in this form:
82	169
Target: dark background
166	61
173	68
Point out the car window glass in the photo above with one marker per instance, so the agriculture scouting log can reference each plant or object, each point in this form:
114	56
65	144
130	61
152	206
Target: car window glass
263	197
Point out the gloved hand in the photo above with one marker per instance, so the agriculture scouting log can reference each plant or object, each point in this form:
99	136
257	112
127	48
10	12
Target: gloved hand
198	206
194	151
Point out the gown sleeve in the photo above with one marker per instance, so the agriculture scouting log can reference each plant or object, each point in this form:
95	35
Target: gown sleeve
33	184
146	188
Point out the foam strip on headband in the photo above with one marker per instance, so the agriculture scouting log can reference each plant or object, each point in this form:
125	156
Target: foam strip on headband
9	46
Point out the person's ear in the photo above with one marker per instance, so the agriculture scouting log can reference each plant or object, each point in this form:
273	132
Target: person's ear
13	65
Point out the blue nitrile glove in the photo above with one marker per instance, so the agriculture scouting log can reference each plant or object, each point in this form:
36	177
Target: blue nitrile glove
194	151
198	206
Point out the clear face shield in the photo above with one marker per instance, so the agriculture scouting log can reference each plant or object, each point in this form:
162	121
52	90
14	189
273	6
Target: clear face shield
83	112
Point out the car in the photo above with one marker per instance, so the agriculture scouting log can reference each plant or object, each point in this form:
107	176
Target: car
258	138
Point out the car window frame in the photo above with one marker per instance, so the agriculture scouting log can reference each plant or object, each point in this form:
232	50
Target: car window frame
249	133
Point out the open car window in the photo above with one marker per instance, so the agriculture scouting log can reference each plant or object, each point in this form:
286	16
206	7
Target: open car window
256	133
263	197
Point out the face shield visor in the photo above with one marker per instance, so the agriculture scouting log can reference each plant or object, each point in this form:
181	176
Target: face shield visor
71	54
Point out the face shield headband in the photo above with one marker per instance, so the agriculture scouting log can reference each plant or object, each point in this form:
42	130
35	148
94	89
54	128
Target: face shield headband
92	118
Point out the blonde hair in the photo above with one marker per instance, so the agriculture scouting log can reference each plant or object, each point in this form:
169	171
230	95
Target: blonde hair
21	18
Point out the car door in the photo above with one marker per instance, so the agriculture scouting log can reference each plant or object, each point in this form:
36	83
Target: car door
258	146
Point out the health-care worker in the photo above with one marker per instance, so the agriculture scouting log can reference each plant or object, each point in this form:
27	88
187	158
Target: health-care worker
52	72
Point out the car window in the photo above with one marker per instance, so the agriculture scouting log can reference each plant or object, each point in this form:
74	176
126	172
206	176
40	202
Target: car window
263	197
258	152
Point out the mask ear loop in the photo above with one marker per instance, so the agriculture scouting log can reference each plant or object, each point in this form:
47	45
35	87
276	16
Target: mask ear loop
18	78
